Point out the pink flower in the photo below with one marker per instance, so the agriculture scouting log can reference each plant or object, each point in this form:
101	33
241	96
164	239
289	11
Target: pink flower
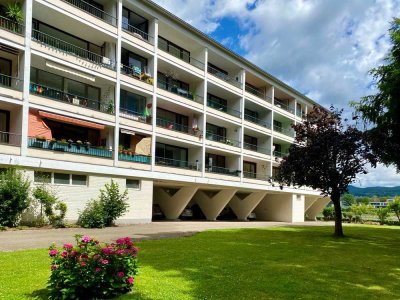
82	263
121	241
130	280
120	274
53	267
134	249
73	253
98	270
53	252
86	239
68	246
64	254
104	261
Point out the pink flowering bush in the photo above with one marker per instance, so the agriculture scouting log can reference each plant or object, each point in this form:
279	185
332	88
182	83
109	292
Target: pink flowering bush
91	269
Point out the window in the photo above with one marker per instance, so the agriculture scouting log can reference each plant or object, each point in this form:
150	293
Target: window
215	160
169	83
133	61
250	169
216	130
174	49
4	126
166	118
79	179
216	102
42	177
129	18
213	69
171	153
133	184
250	142
60	178
250	114
132	103
5	69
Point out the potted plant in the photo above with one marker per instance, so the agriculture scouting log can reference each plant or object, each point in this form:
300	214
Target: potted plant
40	138
78	144
110	107
120	149
87	145
130	152
125	151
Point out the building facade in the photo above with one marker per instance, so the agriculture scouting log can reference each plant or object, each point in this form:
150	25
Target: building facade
98	90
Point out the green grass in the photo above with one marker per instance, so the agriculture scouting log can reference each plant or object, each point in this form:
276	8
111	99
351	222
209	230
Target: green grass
273	263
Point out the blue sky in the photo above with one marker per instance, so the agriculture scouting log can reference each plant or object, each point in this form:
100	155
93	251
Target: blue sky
324	49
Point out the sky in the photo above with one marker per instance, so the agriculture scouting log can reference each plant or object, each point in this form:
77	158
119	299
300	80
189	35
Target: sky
322	48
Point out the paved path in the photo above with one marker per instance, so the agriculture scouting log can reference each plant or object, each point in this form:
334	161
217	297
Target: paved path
42	238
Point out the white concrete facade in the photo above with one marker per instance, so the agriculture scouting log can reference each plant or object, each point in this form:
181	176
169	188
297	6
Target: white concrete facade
229	169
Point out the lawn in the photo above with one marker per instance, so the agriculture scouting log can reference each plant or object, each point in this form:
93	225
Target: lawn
273	263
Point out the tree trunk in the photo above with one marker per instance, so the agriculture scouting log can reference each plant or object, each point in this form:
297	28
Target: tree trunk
335	197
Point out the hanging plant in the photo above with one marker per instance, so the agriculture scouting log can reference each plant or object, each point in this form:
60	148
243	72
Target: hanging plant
14	12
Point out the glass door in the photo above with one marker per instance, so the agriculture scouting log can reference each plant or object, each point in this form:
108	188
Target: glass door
4	126
5	72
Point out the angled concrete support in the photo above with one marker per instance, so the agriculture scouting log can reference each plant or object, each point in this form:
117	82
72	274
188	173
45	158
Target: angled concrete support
317	206
172	206
281	208
243	207
212	206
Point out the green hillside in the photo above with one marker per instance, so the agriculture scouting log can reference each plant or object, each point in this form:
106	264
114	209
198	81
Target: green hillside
378	191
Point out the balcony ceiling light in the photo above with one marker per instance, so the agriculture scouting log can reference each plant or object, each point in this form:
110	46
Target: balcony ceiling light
70	71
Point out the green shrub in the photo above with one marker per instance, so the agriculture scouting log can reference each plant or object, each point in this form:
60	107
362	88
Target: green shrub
395	207
328	213
92	216
91	270
103	212
358	211
14	196
382	214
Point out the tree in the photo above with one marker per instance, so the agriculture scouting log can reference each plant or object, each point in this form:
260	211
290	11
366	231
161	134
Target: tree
383	214
395	207
326	156
114	203
381	112
363	200
348	199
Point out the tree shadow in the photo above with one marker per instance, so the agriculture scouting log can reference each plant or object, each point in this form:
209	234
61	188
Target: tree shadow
38	294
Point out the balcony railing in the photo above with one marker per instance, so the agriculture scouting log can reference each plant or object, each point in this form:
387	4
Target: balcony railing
8	138
257	121
256	148
285	131
142	159
223	76
71	49
223	108
223	171
181	164
138	33
258	176
257	93
280	154
174	126
283	106
163	45
134	115
12	26
137	73
10	82
221	139
67	147
72	99
178	91
98	13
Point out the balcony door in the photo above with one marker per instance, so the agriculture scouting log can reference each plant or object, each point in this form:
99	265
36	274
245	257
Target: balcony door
250	169
5	72
4	126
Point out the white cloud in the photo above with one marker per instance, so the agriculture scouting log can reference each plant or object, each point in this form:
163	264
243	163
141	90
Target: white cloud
381	176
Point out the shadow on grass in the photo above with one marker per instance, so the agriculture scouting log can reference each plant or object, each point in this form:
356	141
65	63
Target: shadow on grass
38	294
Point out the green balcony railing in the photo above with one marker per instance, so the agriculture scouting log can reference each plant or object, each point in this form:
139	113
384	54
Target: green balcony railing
138	33
9	138
174	126
221	139
164	46
94	11
137	73
69	147
285	131
284	106
257	121
223	171
257	93
181	164
10	82
230	111
258	176
11	26
223	76
142	159
71	49
57	95
256	148
178	91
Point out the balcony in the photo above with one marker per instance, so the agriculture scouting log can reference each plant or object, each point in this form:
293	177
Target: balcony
180	92
10	87
257	93
94	11
220	107
57	95
257	176
174	126
174	51
141	159
10	143
256	148
280	154
257	121
285	131
280	104
69	147
181	164
137	73
224	76
141	35
11	26
134	115
222	139
223	171
70	49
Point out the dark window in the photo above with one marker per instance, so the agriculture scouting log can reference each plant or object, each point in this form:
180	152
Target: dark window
221	131
250	113
250	168
134	61
171	152
5	72
132	103
133	184
174	49
171	83
216	102
4	126
213	69
60	178
134	20
278	148
79	179
215	160
42	177
178	121
250	140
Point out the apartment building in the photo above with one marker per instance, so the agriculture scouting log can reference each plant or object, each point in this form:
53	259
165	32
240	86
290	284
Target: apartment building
94	90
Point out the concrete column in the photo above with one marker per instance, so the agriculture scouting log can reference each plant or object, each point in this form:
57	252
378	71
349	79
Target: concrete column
154	101
281	208
242	103
243	207
316	207
212	206
172	206
203	147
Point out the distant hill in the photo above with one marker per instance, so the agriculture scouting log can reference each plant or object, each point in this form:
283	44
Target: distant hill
378	191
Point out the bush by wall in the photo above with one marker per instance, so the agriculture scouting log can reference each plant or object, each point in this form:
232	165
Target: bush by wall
92	270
